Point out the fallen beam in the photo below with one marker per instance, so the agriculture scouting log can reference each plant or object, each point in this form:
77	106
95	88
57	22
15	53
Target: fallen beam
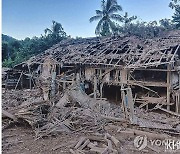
9	115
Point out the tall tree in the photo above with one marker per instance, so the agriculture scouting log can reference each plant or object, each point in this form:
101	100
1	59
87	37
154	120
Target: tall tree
127	23
107	17
56	30
15	51
5	53
127	19
175	4
166	24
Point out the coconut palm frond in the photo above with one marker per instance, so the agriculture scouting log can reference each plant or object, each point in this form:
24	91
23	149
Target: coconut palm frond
103	4
116	17
99	12
112	25
133	18
98	27
94	18
110	3
114	9
47	30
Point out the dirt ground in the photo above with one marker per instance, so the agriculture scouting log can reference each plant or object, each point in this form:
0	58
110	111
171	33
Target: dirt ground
20	138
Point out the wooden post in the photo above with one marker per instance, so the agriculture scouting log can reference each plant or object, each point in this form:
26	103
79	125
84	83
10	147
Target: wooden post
53	85
64	86
7	81
22	82
147	107
178	97
130	104
168	86
179	80
101	90
177	102
78	79
30	86
59	69
41	68
123	75
116	75
80	72
124	104
95	86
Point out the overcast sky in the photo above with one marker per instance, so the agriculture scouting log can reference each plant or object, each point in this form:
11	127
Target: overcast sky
28	18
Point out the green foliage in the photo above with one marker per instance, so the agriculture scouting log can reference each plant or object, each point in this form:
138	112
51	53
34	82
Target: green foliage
4	50
15	52
126	24
146	30
175	4
6	38
8	63
176	17
167	24
128	20
56	30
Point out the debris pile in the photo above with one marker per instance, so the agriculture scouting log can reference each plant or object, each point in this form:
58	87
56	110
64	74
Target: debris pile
99	144
75	111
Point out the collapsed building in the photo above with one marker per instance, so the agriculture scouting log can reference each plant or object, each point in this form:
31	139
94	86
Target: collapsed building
98	89
125	70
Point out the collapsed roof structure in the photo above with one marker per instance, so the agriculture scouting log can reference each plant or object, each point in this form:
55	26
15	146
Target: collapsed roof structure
126	70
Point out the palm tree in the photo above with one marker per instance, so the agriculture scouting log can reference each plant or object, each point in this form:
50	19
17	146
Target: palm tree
106	17
127	24
127	19
56	30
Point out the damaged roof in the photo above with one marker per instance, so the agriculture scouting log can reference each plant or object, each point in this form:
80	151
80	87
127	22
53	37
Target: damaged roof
128	51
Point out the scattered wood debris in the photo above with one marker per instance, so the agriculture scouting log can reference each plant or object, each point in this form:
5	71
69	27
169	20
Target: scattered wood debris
96	85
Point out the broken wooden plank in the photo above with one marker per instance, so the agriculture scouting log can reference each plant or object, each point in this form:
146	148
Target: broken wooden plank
72	151
18	80
80	142
114	119
148	134
114	140
84	145
165	110
9	115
